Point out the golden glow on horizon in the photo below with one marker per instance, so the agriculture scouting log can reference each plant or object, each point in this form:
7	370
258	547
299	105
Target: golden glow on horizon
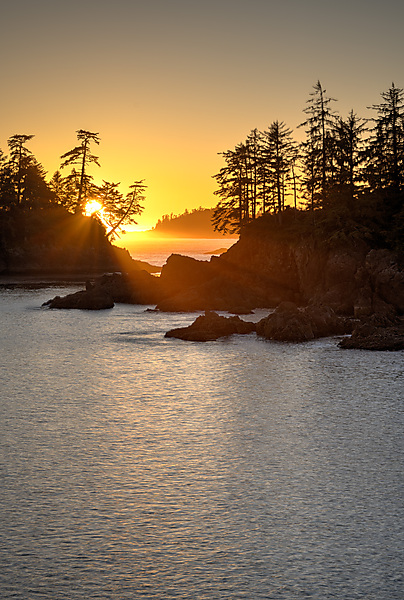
167	123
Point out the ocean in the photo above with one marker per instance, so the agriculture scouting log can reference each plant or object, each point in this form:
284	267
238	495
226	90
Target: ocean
138	466
157	250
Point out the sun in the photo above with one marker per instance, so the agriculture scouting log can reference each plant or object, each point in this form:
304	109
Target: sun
92	207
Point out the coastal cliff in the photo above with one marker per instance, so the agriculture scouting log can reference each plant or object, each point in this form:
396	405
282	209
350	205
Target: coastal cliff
353	279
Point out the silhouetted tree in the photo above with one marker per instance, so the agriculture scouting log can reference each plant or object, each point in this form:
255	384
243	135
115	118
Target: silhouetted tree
81	155
8	196
317	150
36	192
385	169
349	153
58	186
251	160
118	210
256	177
279	154
232	210
20	157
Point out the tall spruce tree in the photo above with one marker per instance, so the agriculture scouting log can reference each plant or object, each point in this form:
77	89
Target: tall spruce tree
349	154
317	150
20	159
385	168
81	155
280	152
231	212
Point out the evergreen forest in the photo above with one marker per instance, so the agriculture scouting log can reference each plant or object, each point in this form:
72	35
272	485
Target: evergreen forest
344	180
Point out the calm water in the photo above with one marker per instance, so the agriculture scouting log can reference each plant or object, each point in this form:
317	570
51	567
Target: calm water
156	251
135	466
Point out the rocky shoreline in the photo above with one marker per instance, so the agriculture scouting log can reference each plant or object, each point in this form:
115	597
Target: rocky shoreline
315	291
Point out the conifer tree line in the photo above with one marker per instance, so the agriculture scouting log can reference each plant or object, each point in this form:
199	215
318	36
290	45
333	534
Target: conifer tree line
24	186
340	162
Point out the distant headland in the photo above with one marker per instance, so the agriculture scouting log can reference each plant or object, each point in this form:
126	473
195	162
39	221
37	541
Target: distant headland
196	223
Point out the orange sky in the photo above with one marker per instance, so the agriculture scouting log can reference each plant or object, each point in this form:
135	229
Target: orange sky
169	84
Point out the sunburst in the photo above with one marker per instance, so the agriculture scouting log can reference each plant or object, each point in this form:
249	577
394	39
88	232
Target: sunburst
93	207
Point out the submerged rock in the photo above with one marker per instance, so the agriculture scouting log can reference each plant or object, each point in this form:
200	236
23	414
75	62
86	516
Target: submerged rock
211	326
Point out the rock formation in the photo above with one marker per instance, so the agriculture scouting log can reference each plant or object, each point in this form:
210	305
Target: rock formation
138	287
90	299
376	334
288	323
211	326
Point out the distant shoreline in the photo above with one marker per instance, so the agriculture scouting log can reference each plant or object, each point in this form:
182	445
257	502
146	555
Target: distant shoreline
38	281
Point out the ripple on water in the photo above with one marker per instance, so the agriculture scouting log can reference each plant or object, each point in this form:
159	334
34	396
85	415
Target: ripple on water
140	467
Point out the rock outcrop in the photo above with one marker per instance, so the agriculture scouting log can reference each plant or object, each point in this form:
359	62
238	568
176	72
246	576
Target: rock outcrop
353	280
338	282
350	278
288	323
138	287
90	299
190	285
211	326
376	335
135	287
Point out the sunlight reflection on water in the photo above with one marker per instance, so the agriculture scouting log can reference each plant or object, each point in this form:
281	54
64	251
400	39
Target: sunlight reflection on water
137	466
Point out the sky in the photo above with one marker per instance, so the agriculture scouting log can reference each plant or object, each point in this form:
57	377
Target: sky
168	85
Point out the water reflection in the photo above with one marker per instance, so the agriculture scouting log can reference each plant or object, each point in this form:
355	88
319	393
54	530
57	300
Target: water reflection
143	467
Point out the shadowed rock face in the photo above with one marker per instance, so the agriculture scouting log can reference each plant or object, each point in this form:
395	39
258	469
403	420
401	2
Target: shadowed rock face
353	281
288	323
211	326
386	277
376	334
85	300
136	287
301	271
190	285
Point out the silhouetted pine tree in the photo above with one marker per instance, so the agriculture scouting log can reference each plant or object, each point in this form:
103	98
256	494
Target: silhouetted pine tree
81	155
120	210
317	150
385	164
232	210
349	154
279	153
20	157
